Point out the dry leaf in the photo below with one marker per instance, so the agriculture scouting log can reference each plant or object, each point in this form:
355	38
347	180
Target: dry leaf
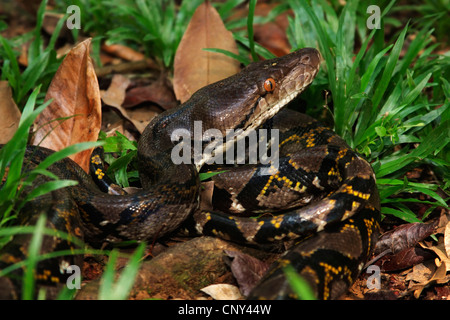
9	113
421	279
405	259
421	272
440	252
157	92
447	239
194	67
76	97
404	236
246	269
123	52
424	275
272	35
223	292
115	96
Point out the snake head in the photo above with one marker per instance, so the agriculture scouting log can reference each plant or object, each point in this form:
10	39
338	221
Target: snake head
249	98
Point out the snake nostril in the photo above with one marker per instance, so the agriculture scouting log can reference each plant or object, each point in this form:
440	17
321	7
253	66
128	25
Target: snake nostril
306	60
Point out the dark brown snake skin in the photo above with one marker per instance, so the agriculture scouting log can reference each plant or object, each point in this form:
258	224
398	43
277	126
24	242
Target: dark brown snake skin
325	191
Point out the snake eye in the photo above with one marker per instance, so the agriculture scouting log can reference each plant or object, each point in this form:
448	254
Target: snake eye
269	85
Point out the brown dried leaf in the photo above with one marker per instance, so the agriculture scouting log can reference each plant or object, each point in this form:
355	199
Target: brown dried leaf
9	113
115	96
426	273
405	259
123	52
76	98
404	236
222	291
447	239
421	279
439	249
246	269
193	67
272	35
157	92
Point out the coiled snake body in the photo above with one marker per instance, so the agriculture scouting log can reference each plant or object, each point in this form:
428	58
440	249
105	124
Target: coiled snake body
326	192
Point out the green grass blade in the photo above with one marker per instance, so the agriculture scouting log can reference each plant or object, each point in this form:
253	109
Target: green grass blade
325	44
56	32
15	70
36	46
260	50
48	187
230	54
67	151
31	262
389	69
119	290
406	216
15	148
128	275
438	137
356	63
298	284
251	14
33	72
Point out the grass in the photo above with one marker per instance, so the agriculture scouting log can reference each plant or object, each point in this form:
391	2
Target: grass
154	26
112	289
42	62
298	284
389	99
393	109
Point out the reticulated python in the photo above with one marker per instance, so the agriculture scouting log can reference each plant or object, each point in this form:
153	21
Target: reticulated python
325	191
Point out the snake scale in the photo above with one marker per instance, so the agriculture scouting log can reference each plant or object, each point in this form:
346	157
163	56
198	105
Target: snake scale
321	198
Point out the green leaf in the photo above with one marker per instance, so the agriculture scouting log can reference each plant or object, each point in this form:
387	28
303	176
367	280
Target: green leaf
35	49
381	131
118	143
